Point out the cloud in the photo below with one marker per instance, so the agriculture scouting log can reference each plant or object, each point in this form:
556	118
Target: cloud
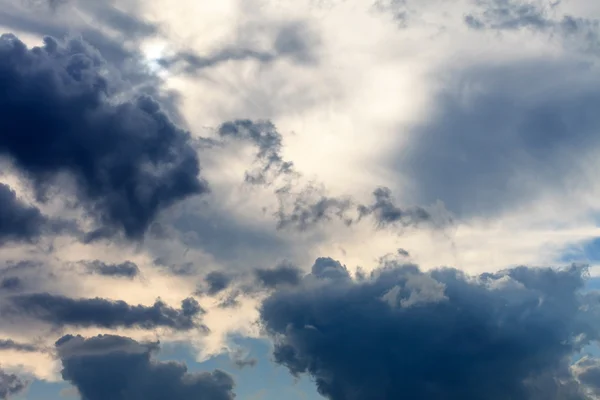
281	275
587	371
386	213
9	344
61	311
119	368
537	16
126	159
217	281
10	283
404	333
269	142
126	269
10	385
303	206
20	222
292	40
492	143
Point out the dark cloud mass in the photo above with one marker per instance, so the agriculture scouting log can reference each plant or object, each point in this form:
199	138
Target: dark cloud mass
283	274
61	311
18	221
126	269
127	160
10	385
405	334
119	368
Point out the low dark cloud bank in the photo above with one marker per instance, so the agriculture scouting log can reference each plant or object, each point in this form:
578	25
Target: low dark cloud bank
64	311
401	333
119	368
126	159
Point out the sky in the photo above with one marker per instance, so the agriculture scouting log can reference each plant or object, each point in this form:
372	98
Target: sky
308	199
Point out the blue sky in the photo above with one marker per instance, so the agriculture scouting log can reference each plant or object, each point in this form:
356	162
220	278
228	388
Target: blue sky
353	199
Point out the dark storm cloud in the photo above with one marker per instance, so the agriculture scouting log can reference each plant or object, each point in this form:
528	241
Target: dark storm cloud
402	333
128	161
126	269
61	311
20	222
119	368
283	274
9	344
10	385
498	133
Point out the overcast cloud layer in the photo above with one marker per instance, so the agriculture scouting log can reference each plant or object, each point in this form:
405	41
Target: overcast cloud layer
400	198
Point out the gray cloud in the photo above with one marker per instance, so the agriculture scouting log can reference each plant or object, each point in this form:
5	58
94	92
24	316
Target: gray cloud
10	385
294	41
9	344
537	16
304	206
127	159
10	283
268	140
484	150
20	222
126	269
63	311
217	281
403	333
281	275
119	368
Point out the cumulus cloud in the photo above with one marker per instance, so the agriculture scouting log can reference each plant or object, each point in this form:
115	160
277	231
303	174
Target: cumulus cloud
63	311
126	159
116	367
404	333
